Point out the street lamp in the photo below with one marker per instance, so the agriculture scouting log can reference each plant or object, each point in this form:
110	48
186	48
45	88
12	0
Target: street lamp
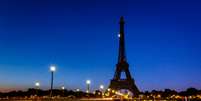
77	90
37	84
119	35
88	82
52	69
63	90
101	89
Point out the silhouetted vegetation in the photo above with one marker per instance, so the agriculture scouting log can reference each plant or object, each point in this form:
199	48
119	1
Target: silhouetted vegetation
190	93
167	93
41	93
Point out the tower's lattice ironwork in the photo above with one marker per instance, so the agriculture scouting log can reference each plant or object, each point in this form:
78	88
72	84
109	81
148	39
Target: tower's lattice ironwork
122	66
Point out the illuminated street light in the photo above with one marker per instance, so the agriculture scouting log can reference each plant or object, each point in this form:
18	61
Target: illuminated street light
101	87
119	35
52	69
77	90
37	84
63	88
88	82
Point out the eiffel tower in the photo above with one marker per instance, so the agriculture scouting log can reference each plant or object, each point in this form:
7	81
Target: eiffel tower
122	66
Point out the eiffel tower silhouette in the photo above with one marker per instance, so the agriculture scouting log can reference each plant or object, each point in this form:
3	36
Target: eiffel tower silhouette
122	66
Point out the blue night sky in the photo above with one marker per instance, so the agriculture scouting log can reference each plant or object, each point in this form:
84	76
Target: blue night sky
163	42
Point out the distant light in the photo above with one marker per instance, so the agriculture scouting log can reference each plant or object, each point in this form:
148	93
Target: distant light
119	35
52	68
87	91
101	87
88	82
94	92
109	89
62	87
77	90
37	84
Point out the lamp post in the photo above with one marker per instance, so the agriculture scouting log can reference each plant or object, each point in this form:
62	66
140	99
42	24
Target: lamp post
101	89
88	82
63	90
52	70
37	84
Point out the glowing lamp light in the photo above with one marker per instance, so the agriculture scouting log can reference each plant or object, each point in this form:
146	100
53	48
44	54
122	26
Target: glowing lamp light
77	90
101	87
119	35
88	82
62	87
37	84
52	68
